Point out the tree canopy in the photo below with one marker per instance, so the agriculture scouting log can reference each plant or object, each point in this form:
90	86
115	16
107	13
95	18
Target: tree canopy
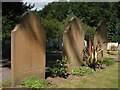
11	13
56	15
89	13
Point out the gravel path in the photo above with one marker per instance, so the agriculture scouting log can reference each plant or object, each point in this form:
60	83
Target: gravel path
5	74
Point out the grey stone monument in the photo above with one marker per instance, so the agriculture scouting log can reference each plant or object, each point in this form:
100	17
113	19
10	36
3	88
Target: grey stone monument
28	49
73	43
100	39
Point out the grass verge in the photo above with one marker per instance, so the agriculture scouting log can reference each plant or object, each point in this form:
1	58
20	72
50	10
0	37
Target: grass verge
5	84
106	78
114	53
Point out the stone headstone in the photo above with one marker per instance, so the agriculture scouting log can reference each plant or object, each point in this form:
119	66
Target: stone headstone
112	46
100	37
28	49
119	47
73	43
85	43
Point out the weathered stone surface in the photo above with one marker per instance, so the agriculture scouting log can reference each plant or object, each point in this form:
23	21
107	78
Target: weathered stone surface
73	43
27	49
100	38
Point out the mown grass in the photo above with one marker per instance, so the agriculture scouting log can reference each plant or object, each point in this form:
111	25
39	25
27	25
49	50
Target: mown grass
0	36
114	53
5	84
54	51
106	78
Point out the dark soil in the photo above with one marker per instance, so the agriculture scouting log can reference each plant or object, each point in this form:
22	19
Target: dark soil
57	80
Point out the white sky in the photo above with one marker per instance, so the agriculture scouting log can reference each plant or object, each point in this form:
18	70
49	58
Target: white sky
39	4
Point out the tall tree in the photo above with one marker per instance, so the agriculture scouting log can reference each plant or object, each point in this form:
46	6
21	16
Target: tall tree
11	13
88	12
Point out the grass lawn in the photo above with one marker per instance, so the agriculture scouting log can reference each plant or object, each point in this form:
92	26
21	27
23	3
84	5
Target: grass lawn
106	78
114	52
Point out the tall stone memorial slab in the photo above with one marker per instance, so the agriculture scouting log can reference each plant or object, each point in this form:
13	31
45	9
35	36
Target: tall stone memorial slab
73	43
100	37
27	49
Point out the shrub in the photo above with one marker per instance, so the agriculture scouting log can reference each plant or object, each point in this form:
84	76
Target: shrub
59	68
107	61
34	82
82	70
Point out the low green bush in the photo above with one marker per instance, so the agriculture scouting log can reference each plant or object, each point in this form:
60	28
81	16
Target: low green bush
34	82
107	61
59	69
82	70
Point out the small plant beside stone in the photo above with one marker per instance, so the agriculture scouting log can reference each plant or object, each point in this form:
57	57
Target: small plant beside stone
107	61
59	69
34	82
95	58
81	70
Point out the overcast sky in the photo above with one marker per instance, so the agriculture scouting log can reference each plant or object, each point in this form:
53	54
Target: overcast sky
39	4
